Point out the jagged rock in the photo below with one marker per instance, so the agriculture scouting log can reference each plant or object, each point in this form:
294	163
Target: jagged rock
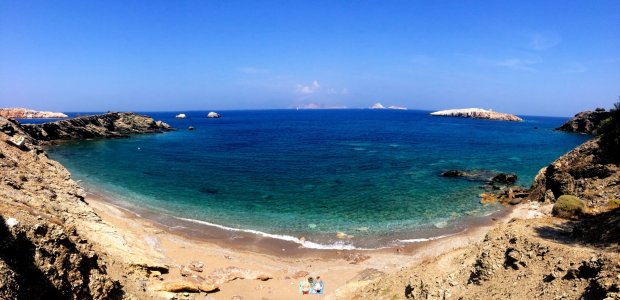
110	125
493	180
185	271
503	178
585	122
583	172
476	113
454	173
196	266
25	113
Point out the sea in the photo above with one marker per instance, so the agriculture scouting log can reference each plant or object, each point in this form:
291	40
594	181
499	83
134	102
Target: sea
325	179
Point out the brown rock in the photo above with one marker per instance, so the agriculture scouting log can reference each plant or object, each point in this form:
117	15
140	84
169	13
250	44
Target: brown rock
185	271
178	287
196	266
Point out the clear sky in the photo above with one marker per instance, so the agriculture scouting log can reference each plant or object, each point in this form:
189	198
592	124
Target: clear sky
525	57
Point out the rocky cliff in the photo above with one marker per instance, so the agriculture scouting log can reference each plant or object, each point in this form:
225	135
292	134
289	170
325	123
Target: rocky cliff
584	172
476	113
25	113
52	244
42	254
110	125
585	122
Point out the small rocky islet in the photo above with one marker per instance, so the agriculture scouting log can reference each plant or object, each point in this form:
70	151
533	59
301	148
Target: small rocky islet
26	113
477	113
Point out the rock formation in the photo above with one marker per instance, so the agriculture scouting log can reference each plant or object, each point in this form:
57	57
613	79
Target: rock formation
52	244
213	115
110	125
493	180
476	113
377	106
585	122
181	116
25	113
583	172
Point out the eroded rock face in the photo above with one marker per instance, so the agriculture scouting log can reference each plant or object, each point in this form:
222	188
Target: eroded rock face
42	256
25	113
582	172
110	125
585	122
52	244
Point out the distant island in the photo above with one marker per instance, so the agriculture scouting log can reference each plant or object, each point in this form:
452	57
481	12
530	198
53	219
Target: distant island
380	106
476	113
26	113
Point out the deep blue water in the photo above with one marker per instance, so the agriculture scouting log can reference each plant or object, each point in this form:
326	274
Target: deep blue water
369	173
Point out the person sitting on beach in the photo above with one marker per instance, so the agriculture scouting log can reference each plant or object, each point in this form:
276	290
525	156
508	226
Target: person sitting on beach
305	286
318	285
311	283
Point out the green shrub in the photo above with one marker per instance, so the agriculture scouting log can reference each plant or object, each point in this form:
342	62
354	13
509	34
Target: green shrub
613	203
609	132
569	207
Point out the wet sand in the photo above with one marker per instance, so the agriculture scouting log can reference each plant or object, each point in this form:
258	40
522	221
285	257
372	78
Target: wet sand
177	244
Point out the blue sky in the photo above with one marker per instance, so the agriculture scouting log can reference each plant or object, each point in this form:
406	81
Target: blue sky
524	57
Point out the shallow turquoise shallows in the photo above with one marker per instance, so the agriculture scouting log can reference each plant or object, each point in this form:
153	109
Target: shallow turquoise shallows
372	174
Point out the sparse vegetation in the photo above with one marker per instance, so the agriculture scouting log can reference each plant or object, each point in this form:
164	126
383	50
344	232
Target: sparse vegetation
610	134
613	203
568	206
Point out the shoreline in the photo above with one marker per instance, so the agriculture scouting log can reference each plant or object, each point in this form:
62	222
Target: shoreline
345	271
274	243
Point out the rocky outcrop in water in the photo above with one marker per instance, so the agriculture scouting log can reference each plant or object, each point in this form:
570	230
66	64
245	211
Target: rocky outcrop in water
213	115
110	125
476	113
585	122
25	113
492	180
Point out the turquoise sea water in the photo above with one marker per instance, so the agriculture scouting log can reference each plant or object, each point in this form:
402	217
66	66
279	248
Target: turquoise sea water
372	174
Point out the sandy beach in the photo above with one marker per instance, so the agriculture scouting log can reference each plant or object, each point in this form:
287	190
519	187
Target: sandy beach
284	263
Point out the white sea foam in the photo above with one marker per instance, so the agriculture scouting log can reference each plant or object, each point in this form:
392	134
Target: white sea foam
340	245
419	240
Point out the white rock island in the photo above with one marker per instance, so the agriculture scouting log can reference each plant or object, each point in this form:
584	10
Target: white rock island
476	113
